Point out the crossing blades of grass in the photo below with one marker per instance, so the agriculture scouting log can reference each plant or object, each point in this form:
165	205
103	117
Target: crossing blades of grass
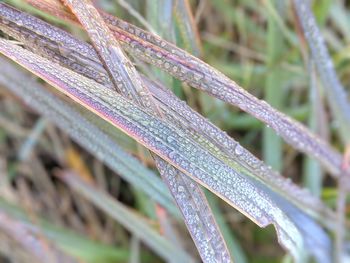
187	194
174	110
249	196
86	134
198	74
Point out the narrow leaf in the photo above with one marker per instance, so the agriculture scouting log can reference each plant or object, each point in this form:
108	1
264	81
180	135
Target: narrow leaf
173	109
247	195
85	134
127	6
198	74
32	241
188	29
272	144
188	195
125	217
336	94
124	76
70	242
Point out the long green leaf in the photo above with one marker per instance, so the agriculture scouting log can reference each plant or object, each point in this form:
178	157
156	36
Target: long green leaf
313	173
272	144
186	23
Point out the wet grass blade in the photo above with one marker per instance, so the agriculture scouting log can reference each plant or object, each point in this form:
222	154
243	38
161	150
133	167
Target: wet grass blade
124	76
233	244
249	196
187	194
173	109
198	74
336	94
86	134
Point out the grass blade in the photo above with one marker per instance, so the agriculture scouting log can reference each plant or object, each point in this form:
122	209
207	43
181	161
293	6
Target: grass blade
29	144
187	27
272	144
137	15
313	177
71	243
198	74
232	242
86	134
173	109
129	220
336	94
194	207
31	240
249	196
160	15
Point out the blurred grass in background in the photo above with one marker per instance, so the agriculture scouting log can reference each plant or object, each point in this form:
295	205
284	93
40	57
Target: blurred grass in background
258	44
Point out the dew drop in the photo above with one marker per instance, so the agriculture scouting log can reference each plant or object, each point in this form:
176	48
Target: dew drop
239	150
170	139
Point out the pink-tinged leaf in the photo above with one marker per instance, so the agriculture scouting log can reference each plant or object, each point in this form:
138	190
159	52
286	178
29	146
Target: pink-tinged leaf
198	74
123	74
82	58
190	199
86	134
248	195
